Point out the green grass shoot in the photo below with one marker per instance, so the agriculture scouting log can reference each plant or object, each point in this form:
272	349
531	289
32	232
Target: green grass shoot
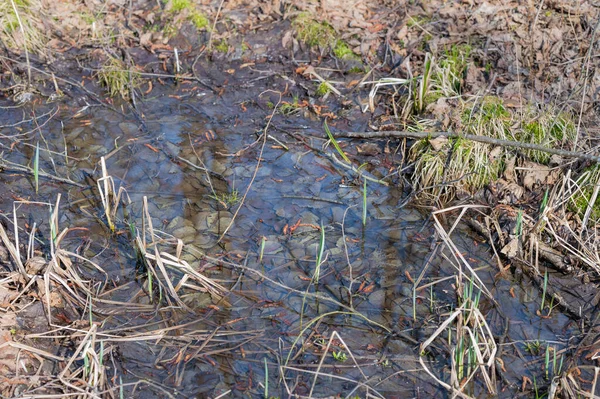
544	291
319	256
424	85
266	379
335	144
547	362
544	202
364	210
263	242
519	226
36	167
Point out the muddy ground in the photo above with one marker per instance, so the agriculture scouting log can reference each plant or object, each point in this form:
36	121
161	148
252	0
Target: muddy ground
186	228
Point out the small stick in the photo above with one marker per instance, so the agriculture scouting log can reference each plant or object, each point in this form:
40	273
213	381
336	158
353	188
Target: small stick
472	137
12	166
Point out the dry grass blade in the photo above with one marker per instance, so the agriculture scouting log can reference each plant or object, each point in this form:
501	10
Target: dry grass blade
469	320
259	158
156	258
172	267
12	250
456	253
333	336
109	197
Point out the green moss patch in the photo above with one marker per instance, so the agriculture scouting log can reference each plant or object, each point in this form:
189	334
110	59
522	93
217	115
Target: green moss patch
313	32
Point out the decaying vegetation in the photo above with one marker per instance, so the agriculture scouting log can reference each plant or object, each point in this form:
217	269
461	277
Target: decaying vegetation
481	114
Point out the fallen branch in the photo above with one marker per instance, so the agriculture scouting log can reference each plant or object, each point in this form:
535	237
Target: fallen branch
481	139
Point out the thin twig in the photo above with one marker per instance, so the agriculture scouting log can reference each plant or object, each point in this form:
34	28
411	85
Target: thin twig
472	137
7	166
262	148
214	26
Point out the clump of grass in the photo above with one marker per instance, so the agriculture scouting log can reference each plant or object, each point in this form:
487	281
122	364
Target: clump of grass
20	26
547	129
118	78
313	32
451	69
292	108
227	199
441	77
581	201
465	163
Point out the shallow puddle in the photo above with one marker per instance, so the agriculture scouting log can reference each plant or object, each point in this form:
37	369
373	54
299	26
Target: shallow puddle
351	328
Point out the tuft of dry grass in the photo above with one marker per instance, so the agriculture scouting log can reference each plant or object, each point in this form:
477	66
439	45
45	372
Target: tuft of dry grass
21	27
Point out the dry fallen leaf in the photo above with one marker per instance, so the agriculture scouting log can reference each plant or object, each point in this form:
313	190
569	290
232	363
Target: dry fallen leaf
509	172
511	249
535	174
438	143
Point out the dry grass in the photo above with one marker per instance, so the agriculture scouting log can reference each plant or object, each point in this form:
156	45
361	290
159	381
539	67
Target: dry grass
21	27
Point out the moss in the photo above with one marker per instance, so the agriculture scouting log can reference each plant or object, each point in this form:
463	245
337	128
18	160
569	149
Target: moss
491	111
314	33
180	5
356	69
199	20
322	89
343	51
222	46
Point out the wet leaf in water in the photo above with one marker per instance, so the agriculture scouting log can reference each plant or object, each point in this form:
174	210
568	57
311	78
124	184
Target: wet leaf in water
187	234
130	129
178	222
205	241
272	246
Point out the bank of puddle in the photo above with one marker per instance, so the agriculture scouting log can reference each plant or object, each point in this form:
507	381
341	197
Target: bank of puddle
193	157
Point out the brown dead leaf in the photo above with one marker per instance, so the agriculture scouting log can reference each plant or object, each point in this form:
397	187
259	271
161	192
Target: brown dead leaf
439	143
401	35
35	265
441	110
495	153
509	172
7	296
535	174
511	249
289	42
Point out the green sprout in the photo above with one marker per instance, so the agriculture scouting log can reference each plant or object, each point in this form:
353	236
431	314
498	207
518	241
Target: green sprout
340	356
